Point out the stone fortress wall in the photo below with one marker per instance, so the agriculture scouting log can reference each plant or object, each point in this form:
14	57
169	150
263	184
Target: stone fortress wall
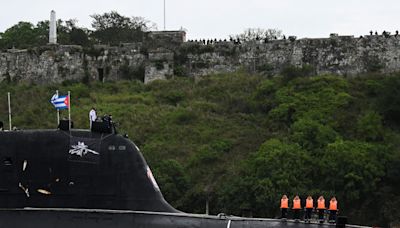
167	54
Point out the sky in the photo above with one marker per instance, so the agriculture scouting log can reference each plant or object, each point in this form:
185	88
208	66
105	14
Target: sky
204	19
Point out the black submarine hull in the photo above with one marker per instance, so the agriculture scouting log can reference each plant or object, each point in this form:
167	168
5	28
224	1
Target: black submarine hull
78	178
77	169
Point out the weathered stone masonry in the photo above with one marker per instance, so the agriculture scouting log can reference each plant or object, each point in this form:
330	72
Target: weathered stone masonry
166	54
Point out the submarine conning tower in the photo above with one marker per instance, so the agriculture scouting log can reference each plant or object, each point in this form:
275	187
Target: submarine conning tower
75	169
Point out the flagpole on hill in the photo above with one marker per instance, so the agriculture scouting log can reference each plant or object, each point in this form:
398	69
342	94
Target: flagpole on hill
164	15
9	109
69	109
58	112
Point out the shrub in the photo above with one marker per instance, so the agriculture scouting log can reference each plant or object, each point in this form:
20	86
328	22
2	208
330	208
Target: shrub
182	117
172	97
180	71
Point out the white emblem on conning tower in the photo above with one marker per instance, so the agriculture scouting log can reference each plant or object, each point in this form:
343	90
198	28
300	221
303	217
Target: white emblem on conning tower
81	149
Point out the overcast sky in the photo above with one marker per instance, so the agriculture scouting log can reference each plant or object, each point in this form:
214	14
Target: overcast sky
221	18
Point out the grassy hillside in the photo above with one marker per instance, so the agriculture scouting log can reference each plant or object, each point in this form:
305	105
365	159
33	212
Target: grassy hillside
244	140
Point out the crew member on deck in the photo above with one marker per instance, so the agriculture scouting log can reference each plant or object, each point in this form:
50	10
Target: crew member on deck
107	119
321	209
284	206
332	210
309	208
92	116
296	207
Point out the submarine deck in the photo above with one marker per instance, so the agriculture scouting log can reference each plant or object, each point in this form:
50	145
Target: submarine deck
67	217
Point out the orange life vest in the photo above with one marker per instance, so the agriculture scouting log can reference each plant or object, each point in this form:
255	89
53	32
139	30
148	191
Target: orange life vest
309	203
321	204
285	203
296	204
333	205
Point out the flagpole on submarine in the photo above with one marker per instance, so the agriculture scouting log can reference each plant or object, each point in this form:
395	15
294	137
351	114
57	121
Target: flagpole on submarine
9	109
69	109
58	111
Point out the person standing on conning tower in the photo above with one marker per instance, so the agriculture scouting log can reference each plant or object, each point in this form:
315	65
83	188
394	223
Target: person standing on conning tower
92	116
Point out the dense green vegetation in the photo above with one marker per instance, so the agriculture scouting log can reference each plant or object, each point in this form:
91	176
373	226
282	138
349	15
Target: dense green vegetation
108	28
242	140
27	35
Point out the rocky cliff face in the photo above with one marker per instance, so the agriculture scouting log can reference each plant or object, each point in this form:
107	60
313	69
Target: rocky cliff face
148	61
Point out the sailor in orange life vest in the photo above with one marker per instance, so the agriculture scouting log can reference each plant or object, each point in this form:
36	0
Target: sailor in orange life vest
296	207
309	208
332	210
321	208
284	206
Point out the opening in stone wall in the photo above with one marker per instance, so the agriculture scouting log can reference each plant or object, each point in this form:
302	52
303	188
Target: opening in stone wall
100	71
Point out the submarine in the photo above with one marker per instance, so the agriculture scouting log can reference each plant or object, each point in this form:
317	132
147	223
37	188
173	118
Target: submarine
92	178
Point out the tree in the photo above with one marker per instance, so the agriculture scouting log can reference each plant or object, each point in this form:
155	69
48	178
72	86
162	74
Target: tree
388	102
172	180
205	175
69	33
284	163
357	167
312	135
21	35
318	98
277	168
113	28
264	96
42	32
258	33
1	40
25	34
369	127
79	36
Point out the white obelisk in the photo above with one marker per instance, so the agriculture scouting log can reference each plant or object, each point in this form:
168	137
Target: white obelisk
53	28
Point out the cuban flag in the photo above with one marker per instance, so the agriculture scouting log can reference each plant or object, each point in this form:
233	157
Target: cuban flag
60	102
